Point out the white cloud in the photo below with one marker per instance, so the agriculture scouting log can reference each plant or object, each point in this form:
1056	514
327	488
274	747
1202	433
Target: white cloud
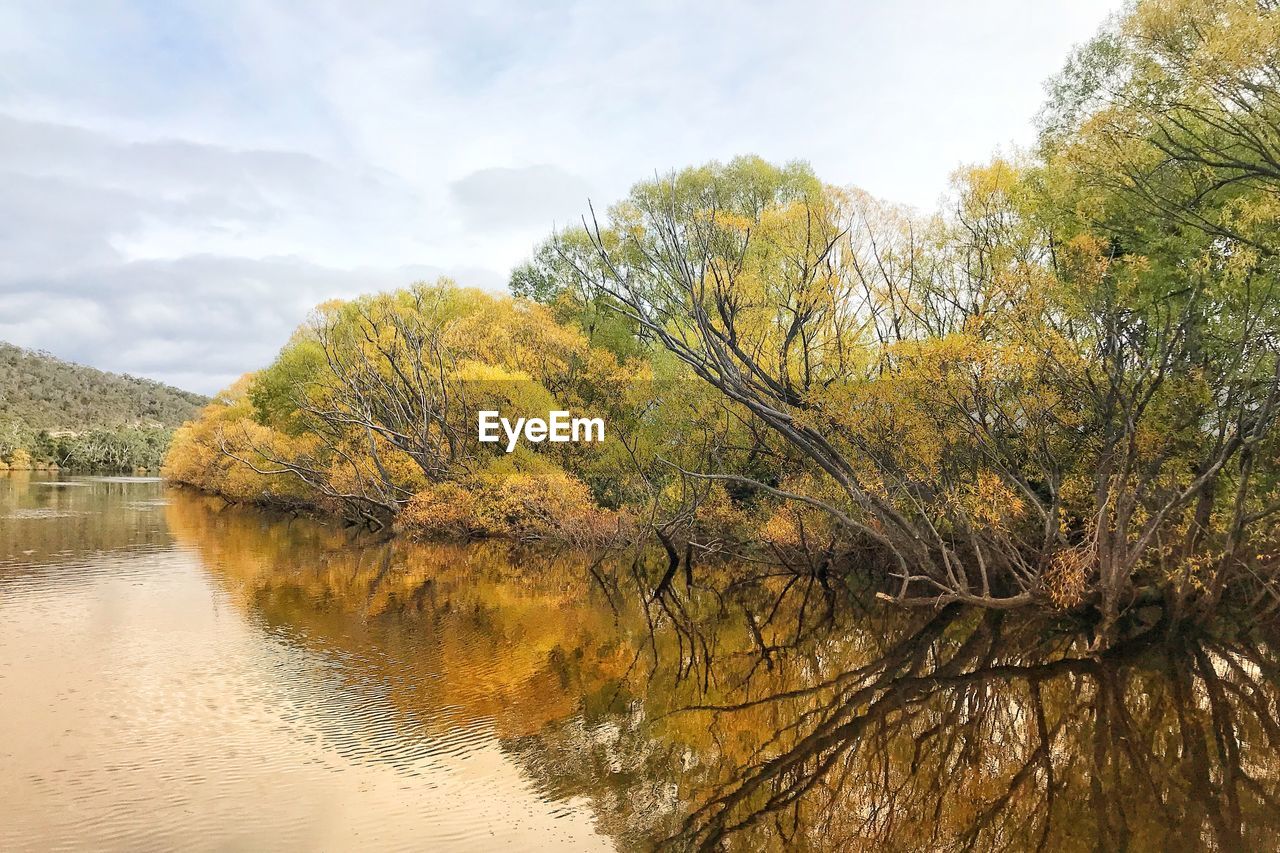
531	196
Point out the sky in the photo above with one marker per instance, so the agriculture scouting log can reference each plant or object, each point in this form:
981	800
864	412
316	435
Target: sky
181	182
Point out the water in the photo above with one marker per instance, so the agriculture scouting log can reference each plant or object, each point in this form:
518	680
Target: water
179	674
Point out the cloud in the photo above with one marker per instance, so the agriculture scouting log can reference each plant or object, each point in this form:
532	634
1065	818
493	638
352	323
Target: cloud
505	197
187	262
200	319
169	197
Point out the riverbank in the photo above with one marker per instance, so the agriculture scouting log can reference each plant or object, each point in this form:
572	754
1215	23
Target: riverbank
549	509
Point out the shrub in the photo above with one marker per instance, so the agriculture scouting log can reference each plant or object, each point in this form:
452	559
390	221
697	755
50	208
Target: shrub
523	505
446	510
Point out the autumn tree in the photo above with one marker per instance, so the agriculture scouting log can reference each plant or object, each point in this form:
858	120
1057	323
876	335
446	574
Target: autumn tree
1162	195
372	408
1030	397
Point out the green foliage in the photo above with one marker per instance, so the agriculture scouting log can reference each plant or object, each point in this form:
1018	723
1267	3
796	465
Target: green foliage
78	417
43	392
561	270
120	449
274	389
554	277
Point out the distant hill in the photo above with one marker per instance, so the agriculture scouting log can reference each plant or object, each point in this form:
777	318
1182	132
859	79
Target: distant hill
44	392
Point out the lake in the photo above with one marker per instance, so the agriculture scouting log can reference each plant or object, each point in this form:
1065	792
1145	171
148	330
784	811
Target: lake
177	673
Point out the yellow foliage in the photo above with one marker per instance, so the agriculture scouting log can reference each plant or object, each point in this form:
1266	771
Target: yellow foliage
1066	580
216	451
991	502
521	505
446	511
372	407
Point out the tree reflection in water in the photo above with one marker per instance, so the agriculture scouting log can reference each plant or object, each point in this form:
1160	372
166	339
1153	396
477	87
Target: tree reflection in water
749	711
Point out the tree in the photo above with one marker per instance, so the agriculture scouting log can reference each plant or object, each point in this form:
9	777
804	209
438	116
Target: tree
372	409
1162	192
999	402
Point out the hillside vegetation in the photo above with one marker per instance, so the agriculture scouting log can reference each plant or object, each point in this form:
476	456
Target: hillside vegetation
70	415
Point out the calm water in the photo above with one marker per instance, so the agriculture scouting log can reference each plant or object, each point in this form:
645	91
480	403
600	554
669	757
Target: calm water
175	673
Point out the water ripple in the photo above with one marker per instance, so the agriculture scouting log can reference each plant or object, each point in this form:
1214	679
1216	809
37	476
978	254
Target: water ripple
148	704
